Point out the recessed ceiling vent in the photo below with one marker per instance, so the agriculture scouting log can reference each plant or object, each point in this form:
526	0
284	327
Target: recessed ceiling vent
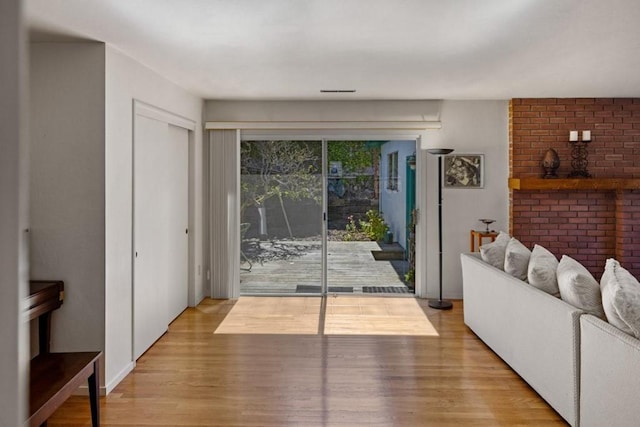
337	91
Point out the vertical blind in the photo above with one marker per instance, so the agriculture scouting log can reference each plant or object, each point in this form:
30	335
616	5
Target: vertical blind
224	211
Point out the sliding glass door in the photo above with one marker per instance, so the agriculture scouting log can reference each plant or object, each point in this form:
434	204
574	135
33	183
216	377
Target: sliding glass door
327	216
281	217
370	201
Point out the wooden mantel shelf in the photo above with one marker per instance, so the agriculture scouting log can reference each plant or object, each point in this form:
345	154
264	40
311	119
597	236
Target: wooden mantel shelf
605	184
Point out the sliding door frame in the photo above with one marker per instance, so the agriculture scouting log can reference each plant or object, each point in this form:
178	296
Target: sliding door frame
327	135
323	230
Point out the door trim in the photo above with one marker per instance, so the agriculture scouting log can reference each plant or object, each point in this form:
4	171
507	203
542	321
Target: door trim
143	109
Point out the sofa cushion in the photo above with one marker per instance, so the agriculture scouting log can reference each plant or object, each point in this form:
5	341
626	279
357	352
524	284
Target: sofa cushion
493	253
516	259
542	270
621	298
578	287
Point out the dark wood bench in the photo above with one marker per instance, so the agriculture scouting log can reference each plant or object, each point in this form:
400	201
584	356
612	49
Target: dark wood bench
55	376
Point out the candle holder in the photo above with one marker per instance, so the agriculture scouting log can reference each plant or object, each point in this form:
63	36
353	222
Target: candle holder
579	156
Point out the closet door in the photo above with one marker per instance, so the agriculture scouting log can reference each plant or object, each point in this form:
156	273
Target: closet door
178	240
160	222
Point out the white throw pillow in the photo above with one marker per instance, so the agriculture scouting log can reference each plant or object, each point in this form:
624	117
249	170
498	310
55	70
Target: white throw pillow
542	270
621	298
516	259
578	287
493	253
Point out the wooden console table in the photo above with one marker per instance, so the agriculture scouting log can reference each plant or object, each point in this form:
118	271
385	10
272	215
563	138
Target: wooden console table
55	376
476	237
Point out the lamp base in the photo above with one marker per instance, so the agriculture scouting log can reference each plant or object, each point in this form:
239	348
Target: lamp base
440	304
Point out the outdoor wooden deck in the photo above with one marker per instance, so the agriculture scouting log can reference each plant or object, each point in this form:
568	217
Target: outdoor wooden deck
351	266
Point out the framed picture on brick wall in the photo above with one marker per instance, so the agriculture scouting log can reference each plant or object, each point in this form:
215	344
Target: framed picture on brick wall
463	171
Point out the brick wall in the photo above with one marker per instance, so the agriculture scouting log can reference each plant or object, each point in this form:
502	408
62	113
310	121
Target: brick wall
628	230
589	226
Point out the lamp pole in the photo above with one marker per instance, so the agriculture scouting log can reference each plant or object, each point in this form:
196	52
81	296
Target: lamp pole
440	303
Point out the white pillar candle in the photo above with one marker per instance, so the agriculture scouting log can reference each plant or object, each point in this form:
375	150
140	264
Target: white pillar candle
573	135
586	135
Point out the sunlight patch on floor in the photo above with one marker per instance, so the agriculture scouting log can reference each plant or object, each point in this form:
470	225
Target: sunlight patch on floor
376	316
339	315
273	315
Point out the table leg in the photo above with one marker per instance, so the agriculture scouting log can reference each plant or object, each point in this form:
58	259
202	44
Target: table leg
44	332
94	395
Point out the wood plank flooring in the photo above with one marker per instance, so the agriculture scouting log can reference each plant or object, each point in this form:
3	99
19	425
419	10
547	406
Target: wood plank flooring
205	373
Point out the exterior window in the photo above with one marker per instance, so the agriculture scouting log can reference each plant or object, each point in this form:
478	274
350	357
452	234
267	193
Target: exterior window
392	171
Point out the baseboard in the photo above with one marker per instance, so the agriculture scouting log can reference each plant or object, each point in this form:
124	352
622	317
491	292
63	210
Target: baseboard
83	390
123	373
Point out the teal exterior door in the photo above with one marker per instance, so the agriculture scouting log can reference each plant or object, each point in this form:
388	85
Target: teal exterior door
411	191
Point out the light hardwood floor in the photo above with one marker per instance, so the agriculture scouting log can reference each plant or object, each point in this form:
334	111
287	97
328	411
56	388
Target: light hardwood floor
313	362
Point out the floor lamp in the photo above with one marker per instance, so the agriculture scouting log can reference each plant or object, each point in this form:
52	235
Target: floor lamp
440	303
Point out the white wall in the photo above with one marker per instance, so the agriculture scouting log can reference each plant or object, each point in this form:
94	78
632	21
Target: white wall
14	356
469	127
393	203
127	80
67	186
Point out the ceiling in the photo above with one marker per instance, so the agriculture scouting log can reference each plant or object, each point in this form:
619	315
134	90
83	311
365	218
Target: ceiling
384	49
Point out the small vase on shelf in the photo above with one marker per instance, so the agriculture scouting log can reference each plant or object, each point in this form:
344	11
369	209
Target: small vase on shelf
550	163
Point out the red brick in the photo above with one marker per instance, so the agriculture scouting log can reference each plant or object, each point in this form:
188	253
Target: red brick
606	125
604	113
578	208
554	108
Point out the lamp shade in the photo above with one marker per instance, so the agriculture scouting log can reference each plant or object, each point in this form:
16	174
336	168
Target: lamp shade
439	151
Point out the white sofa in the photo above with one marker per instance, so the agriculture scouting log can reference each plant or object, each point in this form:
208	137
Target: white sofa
609	375
536	334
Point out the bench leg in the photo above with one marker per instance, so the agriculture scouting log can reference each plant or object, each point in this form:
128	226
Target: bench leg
44	333
94	395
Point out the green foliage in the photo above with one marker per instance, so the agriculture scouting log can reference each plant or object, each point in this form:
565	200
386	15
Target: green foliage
355	156
352	230
410	276
374	227
289	169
